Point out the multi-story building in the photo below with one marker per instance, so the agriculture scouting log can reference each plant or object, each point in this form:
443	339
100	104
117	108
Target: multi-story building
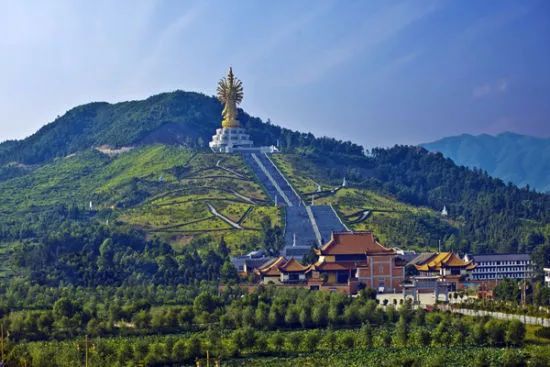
501	266
351	259
547	277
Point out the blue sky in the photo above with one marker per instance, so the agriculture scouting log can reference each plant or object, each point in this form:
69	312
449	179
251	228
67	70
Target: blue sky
375	72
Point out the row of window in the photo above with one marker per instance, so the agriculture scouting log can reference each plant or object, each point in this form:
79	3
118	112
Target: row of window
500	270
513	262
502	276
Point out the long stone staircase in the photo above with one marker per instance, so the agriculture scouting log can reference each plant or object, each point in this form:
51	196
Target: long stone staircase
305	226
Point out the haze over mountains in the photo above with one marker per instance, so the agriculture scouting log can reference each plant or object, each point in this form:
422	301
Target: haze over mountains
520	159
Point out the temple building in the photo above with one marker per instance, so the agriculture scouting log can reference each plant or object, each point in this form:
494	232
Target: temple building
246	264
445	267
352	260
282	271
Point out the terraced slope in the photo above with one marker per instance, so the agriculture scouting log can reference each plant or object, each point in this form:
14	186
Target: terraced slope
393	222
164	190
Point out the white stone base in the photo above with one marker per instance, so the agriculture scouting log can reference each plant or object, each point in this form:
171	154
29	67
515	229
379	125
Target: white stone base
235	139
226	139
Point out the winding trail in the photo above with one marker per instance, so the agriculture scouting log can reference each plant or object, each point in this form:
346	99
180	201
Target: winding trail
218	165
222	217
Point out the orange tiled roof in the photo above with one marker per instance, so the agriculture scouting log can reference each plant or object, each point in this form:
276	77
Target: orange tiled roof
444	260
272	268
348	243
292	266
340	265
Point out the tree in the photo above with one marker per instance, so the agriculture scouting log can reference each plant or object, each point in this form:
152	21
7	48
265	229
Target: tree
478	336
366	331
311	340
193	348
507	290
204	302
244	338
142	319
515	333
292	316
512	358
213	342
352	314
262	315
402	332
293	341
223	250
64	307
347	341
305	317
495	332
179	351
383	338
277	341
228	273
125	353
320	314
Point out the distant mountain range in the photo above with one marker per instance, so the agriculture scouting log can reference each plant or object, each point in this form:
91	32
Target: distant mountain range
520	159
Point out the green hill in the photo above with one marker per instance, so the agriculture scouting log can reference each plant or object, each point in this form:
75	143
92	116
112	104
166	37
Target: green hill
153	188
176	118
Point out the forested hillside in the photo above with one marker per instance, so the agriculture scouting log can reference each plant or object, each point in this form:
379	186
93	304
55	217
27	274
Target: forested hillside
152	220
485	215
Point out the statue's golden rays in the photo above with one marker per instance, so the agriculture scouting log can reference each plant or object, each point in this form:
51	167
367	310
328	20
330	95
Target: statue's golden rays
230	93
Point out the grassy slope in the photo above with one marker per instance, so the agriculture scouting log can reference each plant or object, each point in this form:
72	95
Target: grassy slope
406	225
129	189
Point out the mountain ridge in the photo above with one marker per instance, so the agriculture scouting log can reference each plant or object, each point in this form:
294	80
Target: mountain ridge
176	118
520	159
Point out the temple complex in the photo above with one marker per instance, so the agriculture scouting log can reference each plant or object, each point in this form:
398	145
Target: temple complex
348	262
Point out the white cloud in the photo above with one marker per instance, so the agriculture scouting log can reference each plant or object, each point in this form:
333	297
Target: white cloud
491	88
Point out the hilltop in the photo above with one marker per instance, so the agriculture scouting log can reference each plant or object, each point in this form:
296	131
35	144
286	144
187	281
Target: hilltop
523	160
177	118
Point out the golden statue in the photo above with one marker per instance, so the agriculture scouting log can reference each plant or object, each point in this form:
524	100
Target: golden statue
230	93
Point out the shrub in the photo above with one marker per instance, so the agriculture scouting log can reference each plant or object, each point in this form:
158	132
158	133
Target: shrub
543	332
